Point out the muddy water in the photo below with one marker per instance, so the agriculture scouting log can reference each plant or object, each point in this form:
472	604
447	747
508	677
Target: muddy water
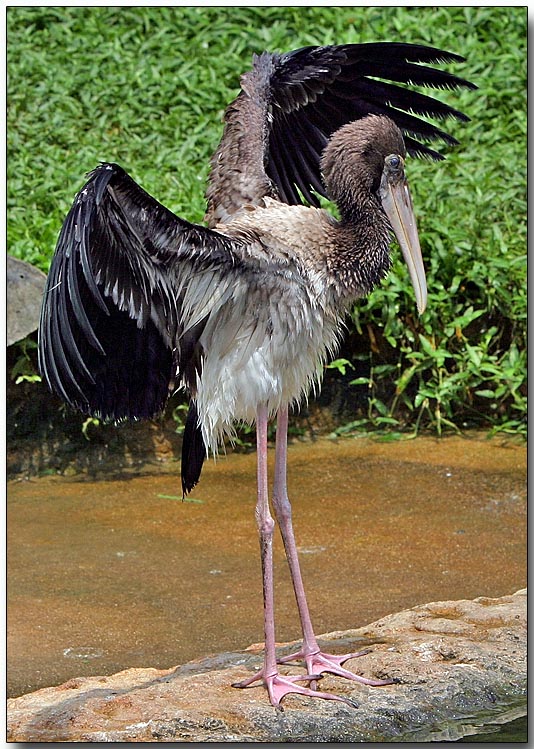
115	574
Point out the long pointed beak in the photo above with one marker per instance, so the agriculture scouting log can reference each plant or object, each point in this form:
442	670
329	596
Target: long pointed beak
397	203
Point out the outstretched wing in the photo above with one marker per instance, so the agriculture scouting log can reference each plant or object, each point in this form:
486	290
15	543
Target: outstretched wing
121	316
289	106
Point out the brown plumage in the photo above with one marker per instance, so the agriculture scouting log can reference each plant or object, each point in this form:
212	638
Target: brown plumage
243	313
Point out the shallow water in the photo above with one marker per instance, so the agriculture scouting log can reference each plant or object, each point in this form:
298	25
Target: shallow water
514	732
115	574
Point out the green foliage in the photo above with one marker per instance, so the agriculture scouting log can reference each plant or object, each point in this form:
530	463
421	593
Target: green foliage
91	421
340	365
147	86
179	415
24	369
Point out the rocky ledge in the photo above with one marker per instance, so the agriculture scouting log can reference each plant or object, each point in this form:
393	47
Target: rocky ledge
458	664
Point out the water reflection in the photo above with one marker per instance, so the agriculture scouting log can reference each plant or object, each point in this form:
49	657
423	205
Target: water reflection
513	732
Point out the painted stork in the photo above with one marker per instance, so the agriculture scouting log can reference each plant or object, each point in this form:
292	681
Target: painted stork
244	312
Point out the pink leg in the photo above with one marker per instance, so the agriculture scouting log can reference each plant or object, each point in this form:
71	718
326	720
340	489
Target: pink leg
277	686
316	661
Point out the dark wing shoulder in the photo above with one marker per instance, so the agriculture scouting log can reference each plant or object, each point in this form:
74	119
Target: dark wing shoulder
112	320
290	105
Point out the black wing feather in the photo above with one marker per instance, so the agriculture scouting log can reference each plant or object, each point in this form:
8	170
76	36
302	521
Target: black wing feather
289	101
92	350
331	86
114	336
109	336
193	450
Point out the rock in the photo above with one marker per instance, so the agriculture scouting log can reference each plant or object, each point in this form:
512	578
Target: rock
454	660
25	287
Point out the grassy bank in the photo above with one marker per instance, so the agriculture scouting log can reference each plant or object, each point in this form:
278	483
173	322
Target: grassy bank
146	87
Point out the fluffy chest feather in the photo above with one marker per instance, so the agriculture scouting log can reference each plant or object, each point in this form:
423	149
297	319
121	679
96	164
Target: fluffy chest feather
267	343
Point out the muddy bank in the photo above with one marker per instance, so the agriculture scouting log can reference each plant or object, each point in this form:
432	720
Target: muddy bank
112	574
457	664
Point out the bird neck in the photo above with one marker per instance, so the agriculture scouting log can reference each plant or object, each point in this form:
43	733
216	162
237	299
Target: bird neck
360	209
362	258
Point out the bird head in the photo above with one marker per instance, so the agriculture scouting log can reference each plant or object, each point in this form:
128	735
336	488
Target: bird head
363	169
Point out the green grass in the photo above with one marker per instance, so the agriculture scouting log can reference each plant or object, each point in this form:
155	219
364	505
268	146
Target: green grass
147	87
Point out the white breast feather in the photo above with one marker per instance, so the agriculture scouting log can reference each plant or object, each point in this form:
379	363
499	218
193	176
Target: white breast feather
261	350
268	332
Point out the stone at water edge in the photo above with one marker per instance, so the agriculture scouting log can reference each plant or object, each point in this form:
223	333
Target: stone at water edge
454	659
25	288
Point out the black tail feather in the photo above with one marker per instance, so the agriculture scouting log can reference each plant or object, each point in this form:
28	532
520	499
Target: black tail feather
193	450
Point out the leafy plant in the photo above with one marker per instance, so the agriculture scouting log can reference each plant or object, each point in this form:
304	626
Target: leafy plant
24	368
146	87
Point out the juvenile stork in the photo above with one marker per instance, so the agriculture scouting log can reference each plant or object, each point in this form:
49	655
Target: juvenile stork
244	312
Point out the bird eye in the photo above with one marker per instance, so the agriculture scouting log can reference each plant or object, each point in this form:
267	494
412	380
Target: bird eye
394	161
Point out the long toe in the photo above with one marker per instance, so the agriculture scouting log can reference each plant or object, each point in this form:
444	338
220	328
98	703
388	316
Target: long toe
320	662
279	686
326	662
259	676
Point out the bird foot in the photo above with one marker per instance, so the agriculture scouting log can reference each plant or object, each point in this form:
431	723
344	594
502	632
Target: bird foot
278	686
319	662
